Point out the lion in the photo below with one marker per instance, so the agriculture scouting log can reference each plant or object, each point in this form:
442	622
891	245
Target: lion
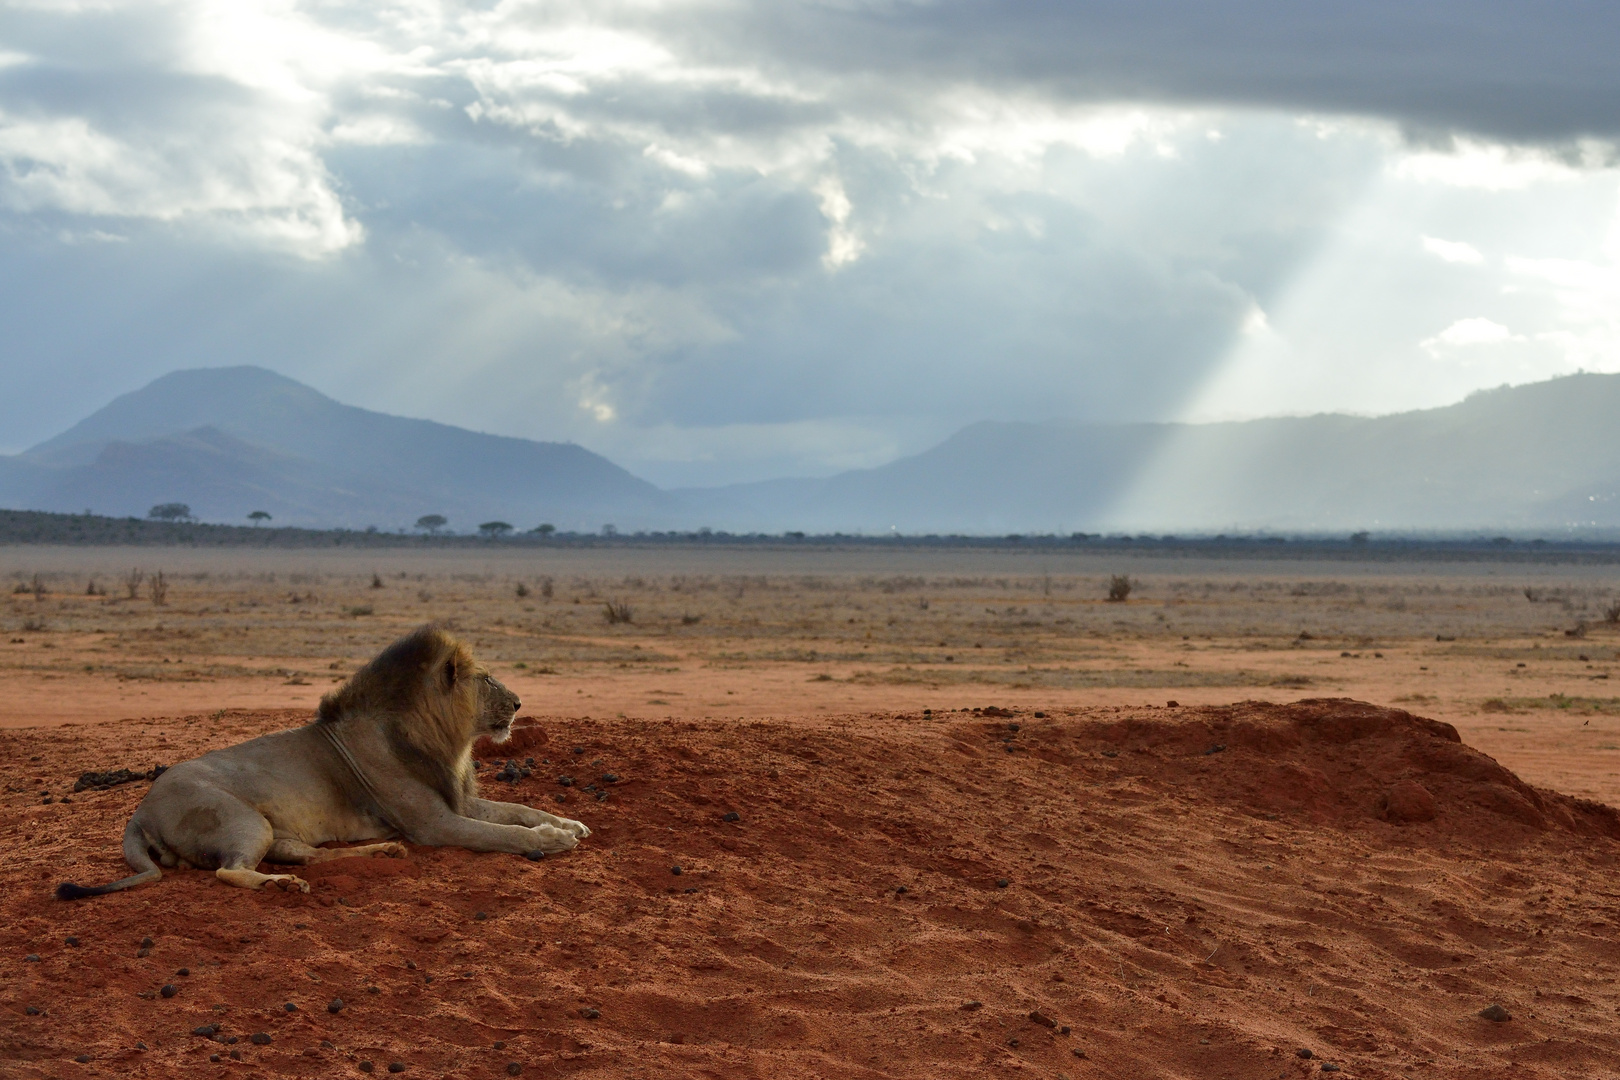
387	757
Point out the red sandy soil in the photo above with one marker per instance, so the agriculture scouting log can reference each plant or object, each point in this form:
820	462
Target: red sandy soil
1175	912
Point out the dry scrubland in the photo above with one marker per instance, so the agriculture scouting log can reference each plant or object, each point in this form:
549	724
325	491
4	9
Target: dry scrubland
960	777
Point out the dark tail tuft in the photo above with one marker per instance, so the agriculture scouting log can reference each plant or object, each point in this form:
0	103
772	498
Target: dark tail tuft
69	891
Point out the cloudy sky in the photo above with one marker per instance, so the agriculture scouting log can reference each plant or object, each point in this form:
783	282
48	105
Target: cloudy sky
721	241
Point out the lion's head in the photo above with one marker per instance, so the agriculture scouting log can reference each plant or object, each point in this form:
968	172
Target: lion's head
433	700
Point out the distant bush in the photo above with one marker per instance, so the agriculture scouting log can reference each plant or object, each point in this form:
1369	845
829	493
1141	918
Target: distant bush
616	611
1611	613
432	522
132	582
545	528
1119	588
494	529
546	587
376	580
522	590
170	512
258	517
159	589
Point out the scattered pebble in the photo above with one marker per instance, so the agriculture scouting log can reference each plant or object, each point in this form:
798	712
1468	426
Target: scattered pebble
1172	704
1064	1030
1305	1052
972	1005
183	972
675	870
32	1010
71	942
373	990
513	1068
205	1030
139	1045
290	1007
83	1059
1042	716
396	1066
1496	1014
499	1045
534	856
732	816
366	1066
566	781
1002	883
143	952
901	889
1077	1052
1042	1019
1216	749
260	1038
32	958
410	965
334	1006
610	778
561	797
1328	1066
590	1014
480	916
579	749
169	990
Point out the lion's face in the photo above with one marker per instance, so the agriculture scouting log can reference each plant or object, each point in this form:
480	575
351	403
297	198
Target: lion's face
496	707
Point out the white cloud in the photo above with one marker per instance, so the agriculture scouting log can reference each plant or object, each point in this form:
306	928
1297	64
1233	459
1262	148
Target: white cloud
1453	251
1488	166
1465	333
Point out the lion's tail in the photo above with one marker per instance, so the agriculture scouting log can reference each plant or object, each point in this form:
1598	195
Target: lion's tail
135	853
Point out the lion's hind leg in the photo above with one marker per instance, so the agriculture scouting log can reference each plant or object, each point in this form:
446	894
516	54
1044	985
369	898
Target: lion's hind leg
298	853
225	832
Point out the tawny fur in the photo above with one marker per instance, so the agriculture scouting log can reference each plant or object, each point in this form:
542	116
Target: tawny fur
389	754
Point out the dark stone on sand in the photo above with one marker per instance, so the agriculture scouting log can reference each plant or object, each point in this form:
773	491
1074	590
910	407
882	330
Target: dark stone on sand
83	1059
972	1005
610	778
480	916
334	1006
231	1040
396	1066
561	797
579	749
1002	883
183	972
1077	1052
1216	749
31	958
259	1038
901	889
1042	1019
234	1055
169	990
732	816
71	942
204	1030
1496	1014
1304	1052
213	1057
513	1068
1328	1066
566	781
1406	801
32	1010
366	1066
590	1014
142	953
290	1007
535	855
675	870
500	1045
1172	704
1064	1030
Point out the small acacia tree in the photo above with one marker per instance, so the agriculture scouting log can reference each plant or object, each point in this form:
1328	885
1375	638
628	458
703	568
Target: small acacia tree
432	522
493	529
258	517
545	528
170	512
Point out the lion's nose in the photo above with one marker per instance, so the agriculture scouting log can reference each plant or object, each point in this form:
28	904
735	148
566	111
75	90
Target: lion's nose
516	704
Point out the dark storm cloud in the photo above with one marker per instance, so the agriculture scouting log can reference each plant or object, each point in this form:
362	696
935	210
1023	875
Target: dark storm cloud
1534	72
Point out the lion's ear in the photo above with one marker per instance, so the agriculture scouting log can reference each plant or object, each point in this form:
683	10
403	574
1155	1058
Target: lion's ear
450	673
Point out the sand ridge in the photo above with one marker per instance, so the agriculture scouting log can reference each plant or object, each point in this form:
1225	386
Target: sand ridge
1190	891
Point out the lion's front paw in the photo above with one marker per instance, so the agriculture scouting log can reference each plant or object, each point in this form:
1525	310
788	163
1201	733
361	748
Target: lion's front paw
288	882
550	839
390	850
578	828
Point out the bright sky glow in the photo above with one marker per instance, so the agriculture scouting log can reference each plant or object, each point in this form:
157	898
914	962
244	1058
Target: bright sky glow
725	242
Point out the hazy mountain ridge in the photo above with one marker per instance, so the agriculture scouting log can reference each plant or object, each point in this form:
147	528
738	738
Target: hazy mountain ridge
228	441
232	440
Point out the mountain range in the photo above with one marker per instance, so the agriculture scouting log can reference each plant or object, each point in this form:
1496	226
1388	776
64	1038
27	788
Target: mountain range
230	441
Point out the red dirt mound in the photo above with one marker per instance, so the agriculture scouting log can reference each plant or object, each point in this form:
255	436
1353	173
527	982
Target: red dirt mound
1105	893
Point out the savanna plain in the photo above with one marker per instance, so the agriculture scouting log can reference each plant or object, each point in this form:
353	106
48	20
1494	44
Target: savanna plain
856	812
